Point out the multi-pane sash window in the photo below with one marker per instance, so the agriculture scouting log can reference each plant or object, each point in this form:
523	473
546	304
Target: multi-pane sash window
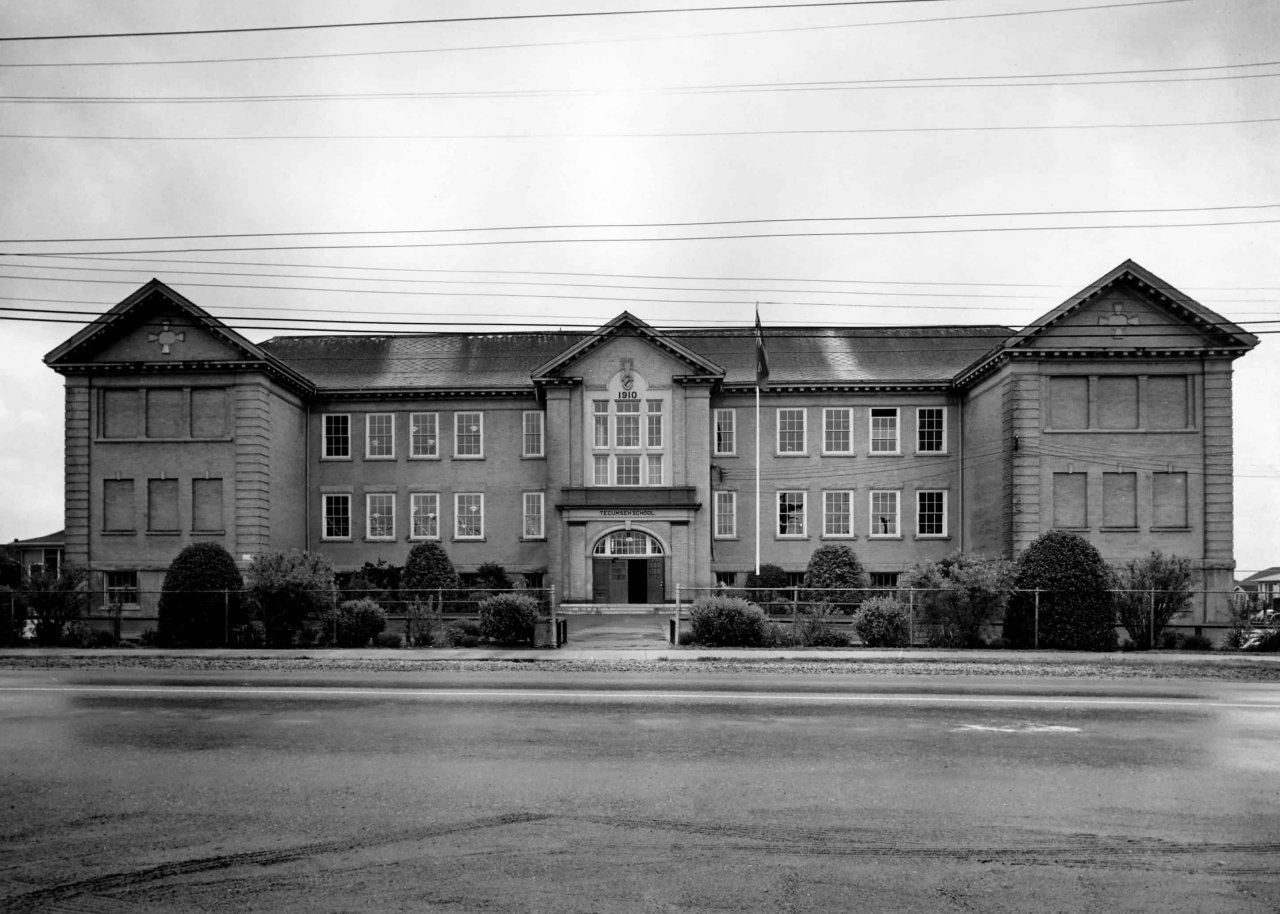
424	508
468	508
837	514
931	513
600	471
381	516
884	513
600	423
534	524
837	431
122	587
931	430
626	429
791	431
337	436
726	432
884	430
533	446
424	437
653	463
627	469
791	514
468	434
653	419
726	515
380	435
337	517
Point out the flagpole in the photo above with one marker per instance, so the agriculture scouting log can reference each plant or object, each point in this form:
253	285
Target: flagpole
759	506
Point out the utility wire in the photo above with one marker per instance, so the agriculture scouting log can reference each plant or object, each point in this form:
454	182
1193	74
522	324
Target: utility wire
691	134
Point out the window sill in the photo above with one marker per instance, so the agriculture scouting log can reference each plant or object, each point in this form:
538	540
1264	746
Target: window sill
533	539
380	539
1182	529
335	459
725	454
839	454
387	458
1119	529
839	536
933	453
726	539
218	439
1121	431
884	536
336	539
790	453
208	532
470	539
533	456
932	536
467	457
424	539
164	533
782	538
884	453
118	533
424	456
1072	529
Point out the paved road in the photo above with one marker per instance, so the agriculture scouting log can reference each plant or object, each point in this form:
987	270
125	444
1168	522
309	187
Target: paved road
152	791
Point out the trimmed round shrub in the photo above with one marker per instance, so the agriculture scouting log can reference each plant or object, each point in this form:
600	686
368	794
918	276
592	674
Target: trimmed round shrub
200	600
354	624
881	622
284	589
762	588
836	570
388	639
508	618
1076	612
728	622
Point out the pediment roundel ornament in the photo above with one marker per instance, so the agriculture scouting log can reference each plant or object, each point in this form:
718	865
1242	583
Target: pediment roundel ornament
166	338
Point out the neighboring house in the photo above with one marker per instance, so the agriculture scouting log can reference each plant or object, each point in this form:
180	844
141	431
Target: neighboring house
42	555
617	464
1263	586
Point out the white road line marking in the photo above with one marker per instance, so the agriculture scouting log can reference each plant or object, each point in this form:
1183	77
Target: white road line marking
1261	704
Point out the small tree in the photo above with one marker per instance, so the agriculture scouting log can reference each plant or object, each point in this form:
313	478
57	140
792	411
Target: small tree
1152	590
427	573
1076	612
835	569
284	589
200	598
960	595
53	600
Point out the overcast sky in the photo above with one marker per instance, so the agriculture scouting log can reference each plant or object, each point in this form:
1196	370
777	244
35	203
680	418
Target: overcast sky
835	119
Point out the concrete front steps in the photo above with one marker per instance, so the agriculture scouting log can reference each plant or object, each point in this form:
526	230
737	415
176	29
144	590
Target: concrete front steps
615	609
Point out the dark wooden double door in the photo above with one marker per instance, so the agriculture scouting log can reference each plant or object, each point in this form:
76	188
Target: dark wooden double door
628	580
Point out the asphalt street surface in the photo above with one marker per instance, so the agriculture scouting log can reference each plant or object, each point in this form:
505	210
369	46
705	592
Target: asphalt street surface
147	790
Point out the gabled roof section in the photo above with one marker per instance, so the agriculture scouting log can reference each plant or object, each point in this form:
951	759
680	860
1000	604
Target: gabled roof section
155	296
1253	580
627	324
1219	334
52	539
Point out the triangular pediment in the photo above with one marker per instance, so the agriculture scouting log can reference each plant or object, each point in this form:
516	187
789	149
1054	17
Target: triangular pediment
625	326
154	327
1132	309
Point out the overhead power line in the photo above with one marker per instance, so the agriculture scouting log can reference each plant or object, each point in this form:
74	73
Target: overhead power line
450	20
690	134
587	41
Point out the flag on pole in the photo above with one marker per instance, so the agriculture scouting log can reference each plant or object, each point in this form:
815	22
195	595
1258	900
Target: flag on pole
762	358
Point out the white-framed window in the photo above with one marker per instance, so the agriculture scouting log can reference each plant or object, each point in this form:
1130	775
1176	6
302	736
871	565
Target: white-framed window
468	514
837	430
884	512
653	466
380	515
600	470
533	436
337	436
380	436
424	515
600	424
726	515
122	588
791	432
626	424
534	515
884	430
931	430
627	470
726	431
653	425
791	513
837	513
337	517
424	435
468	434
931	512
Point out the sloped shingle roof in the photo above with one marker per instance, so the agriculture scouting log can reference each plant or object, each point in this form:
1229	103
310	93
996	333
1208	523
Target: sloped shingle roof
505	360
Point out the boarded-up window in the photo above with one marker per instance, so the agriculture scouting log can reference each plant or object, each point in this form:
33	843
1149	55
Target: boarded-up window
117	504
120	414
1117	402
1169	499
206	505
209	412
164	414
1167	401
1070	500
1068	403
162	505
1119	499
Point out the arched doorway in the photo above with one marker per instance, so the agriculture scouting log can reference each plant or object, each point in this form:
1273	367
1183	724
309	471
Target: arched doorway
628	566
